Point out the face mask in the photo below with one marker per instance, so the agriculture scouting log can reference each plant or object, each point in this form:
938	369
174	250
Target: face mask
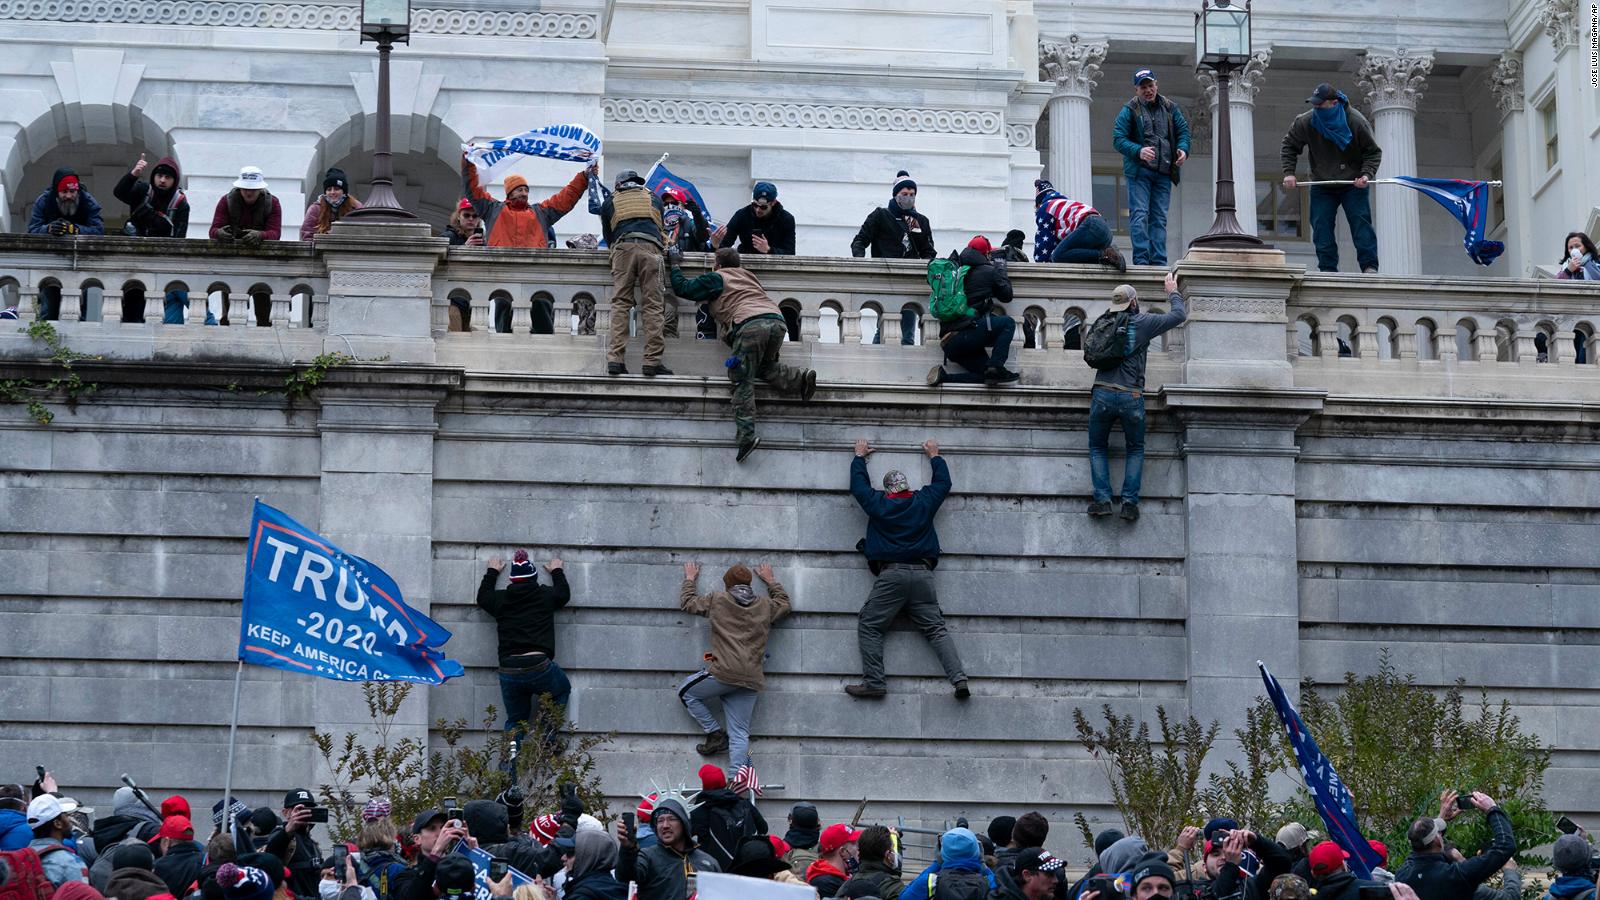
851	865
905	203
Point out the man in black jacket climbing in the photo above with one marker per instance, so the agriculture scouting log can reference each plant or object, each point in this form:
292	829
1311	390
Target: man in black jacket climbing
524	615
981	342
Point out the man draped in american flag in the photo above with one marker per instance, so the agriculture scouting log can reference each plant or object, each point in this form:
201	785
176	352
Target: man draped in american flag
1070	231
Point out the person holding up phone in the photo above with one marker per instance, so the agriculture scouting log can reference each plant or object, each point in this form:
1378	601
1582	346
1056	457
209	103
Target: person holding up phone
292	842
1230	880
762	227
1431	872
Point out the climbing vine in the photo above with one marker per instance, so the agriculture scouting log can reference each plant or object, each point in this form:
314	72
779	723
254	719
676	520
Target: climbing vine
32	393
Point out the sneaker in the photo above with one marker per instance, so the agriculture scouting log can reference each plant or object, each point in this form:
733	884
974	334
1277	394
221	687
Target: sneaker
1370	270
809	386
962	692
862	692
746	449
996	375
1099	508
715	742
1130	512
936	376
1112	257
616	369
658	369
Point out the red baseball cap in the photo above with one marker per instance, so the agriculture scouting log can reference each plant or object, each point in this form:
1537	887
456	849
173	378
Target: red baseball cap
980	244
1327	858
1381	850
176	827
836	836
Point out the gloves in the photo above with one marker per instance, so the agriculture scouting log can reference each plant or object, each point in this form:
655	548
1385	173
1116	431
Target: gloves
250	238
571	805
674	256
61	227
225	235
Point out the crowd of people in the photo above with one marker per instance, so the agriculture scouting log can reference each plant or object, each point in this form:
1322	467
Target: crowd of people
51	848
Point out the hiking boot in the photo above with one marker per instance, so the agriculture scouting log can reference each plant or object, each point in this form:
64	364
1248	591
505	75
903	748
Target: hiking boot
1099	508
1130	512
862	692
962	692
808	387
747	449
1112	257
657	369
715	742
936	376
996	375
616	369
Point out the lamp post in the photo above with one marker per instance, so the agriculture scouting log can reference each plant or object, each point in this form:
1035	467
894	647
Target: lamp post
387	22
1222	44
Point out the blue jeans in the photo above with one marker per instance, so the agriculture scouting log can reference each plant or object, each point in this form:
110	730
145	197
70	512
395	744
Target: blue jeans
1105	407
50	303
969	348
520	690
1325	204
1084	243
175	308
908	328
1148	193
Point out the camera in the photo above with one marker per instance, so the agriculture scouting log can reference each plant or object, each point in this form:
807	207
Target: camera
452	811
1566	825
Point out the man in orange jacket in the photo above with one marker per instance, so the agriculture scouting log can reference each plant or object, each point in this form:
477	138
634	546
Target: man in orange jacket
514	222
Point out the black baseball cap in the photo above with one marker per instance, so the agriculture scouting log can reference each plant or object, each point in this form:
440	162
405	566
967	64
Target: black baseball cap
1037	859
298	797
1323	94
424	819
455	876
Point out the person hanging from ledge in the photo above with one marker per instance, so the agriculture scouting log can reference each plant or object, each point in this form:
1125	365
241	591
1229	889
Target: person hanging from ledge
902	549
977	339
333	204
156	208
752	324
246	216
896	231
1071	231
65	209
630	224
525	626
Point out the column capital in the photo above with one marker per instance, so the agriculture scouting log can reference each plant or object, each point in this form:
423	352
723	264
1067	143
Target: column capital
1244	84
1395	80
1072	65
1561	22
1505	81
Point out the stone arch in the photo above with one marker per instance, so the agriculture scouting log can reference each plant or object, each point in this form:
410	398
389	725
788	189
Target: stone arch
790	308
1467	339
1427	335
1306	337
871	322
1583	343
1388	338
830	319
426	157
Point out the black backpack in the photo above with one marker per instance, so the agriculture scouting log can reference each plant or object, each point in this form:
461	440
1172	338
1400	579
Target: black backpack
726	827
957	885
1109	340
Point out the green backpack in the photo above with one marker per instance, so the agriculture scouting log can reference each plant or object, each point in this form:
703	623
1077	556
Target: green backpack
948	298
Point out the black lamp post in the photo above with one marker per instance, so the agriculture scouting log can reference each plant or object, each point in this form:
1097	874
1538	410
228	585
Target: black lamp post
1222	44
387	22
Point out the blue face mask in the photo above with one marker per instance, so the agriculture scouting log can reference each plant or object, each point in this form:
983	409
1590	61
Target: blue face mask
851	865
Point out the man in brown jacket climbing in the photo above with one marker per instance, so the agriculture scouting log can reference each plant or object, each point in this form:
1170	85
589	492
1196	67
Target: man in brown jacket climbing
741	621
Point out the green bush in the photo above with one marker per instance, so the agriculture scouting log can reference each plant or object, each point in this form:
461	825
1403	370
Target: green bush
1154	786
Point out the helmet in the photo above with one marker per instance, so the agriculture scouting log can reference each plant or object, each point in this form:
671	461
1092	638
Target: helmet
628	176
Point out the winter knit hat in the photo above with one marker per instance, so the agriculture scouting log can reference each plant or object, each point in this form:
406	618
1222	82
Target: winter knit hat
738	574
175	805
1000	829
712	778
902	180
454	876
1571	854
894	481
1014	238
521	568
980	244
133	856
764	190
1155	868
376	808
335	178
513	182
1041	186
544	829
244	883
65	178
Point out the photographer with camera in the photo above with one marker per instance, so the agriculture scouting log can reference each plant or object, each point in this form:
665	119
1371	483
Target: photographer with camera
1224	852
293	844
1431	872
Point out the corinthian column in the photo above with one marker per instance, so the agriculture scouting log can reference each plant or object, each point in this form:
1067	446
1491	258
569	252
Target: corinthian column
1506	85
1394	84
1242	89
1072	67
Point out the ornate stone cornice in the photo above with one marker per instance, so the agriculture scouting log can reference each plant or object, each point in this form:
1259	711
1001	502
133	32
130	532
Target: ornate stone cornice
1074	66
1243	84
314	16
1019	134
1395	81
763	114
1506	83
1561	22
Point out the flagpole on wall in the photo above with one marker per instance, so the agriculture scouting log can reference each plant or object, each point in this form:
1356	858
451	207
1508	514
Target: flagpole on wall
657	165
1369	181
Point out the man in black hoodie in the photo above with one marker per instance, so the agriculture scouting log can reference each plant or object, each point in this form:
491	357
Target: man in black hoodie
489	823
762	227
981	342
524	614
156	208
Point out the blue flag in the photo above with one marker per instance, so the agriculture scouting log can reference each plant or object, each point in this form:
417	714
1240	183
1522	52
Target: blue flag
661	178
480	864
312	608
1468	201
1327	791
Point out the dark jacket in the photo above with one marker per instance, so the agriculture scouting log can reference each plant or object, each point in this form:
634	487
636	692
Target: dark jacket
900	529
827	879
888	883
179	867
1328	163
1005	885
1233	883
1146	328
416	883
722	819
660	870
595	886
488	821
1128	136
265	215
778	226
1434	877
152	214
134	884
885	232
45	211
304	862
525	612
985	285
1341	885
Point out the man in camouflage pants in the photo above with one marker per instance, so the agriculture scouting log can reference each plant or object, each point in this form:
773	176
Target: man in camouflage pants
753	325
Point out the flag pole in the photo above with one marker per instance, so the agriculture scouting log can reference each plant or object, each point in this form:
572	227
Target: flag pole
233	731
655	166
1369	181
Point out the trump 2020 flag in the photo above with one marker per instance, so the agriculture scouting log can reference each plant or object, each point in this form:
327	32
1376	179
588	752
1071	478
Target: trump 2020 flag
661	178
572	143
1468	201
1329	793
312	608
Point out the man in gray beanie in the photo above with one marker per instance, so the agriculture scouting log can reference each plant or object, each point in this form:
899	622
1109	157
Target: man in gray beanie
902	549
